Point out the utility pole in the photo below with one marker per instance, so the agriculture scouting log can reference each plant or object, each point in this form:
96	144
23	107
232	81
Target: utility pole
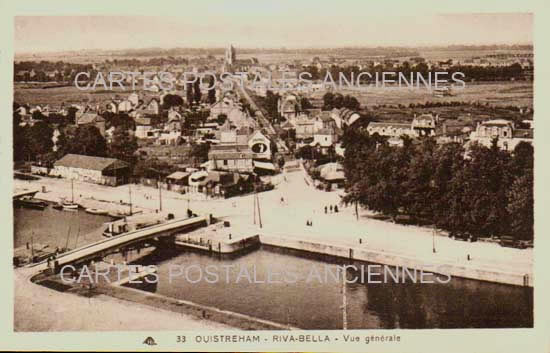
160	194
254	204
32	248
130	195
433	240
259	211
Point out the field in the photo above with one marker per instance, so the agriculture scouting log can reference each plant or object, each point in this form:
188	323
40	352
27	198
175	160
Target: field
497	94
26	94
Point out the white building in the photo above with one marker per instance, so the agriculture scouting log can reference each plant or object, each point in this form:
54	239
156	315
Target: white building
508	136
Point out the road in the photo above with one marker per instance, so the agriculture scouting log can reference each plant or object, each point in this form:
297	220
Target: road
261	116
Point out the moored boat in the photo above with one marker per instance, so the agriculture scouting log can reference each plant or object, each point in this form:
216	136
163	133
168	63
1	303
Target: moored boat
97	211
29	202
69	206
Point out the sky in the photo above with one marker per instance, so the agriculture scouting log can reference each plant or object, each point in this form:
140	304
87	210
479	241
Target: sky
269	26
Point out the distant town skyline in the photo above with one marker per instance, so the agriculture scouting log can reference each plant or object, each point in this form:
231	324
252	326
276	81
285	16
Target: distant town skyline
39	34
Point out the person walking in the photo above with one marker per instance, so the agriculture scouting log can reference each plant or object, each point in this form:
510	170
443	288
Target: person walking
330	208
326	210
335	208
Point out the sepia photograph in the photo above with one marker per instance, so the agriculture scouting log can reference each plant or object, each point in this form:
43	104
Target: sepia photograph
265	182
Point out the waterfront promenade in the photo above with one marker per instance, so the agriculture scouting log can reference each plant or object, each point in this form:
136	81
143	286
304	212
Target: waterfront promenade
288	218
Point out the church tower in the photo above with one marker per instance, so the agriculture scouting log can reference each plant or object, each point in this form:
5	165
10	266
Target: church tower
230	55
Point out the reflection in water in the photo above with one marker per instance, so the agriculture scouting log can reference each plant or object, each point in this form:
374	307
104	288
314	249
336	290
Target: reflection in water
460	303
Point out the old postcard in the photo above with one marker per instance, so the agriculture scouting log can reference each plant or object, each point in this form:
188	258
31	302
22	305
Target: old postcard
251	176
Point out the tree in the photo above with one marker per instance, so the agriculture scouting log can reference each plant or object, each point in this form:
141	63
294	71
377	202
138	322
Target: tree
221	119
199	152
520	207
197	91
305	103
351	103
172	100
189	93
20	151
123	146
212	91
87	140
39	140
328	101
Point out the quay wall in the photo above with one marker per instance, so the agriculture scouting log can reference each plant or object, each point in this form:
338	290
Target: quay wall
385	258
221	247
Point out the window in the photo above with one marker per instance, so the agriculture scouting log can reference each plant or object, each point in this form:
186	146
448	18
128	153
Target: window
225	162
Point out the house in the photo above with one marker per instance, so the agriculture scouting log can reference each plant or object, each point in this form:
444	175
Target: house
178	181
222	107
92	119
425	124
125	106
97	170
504	130
289	106
324	139
332	174
305	127
239	161
393	130
260	145
152	108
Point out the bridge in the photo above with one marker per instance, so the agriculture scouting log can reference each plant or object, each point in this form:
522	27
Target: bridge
108	246
20	194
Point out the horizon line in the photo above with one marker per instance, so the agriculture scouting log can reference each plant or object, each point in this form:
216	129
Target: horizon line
400	46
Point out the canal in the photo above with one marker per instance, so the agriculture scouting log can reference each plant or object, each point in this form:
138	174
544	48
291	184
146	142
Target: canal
56	228
316	304
308	304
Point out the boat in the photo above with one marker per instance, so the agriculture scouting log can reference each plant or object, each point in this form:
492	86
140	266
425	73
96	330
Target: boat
58	206
70	205
29	202
97	211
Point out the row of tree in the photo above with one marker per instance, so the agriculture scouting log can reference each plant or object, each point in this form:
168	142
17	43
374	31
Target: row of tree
36	143
483	192
471	73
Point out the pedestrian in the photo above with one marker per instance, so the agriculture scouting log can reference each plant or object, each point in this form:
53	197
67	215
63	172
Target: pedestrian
335	208
330	208
325	209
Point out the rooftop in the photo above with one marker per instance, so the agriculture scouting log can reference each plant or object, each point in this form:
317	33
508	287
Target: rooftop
90	162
